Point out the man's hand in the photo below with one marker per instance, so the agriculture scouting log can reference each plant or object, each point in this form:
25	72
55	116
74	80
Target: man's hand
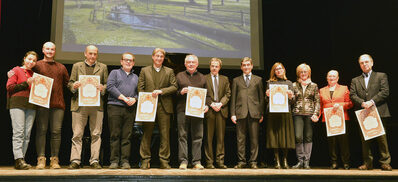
100	87
261	119
367	104
184	90
206	109
155	93
233	118
76	85
131	101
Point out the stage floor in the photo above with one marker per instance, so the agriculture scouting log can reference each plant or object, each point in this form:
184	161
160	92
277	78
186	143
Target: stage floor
230	174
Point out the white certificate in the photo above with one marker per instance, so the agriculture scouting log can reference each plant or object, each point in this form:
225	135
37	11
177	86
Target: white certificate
335	122
40	91
89	95
195	104
278	99
370	123
146	107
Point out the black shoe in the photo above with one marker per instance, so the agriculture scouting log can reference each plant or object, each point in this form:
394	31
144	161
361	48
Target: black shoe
285	165
126	165
95	165
299	165
240	166
145	164
74	165
21	164
210	166
165	166
221	166
333	166
306	165
346	166
253	166
114	165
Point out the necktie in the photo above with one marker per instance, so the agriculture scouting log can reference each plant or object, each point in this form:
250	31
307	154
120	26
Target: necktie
365	74
247	80
215	88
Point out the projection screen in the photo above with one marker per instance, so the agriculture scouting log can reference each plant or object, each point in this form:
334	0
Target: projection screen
227	29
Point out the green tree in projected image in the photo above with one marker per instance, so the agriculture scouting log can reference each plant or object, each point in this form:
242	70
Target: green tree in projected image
203	24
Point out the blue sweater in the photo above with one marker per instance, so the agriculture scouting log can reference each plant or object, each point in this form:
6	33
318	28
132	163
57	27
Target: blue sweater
121	83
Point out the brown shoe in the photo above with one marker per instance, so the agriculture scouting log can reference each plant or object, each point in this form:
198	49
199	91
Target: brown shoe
221	166
386	167
145	164
240	166
210	166
41	162
365	167
54	163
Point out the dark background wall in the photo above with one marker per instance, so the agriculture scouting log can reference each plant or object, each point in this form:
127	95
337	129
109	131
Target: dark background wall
327	34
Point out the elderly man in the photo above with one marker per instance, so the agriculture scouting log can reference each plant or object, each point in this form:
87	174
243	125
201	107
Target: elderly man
247	108
218	93
55	114
80	114
159	80
188	124
122	88
367	90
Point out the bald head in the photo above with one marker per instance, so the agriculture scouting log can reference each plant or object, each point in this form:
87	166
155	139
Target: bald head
91	54
49	51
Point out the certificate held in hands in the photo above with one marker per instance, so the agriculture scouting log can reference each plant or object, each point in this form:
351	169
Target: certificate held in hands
195	105
370	123
89	95
146	107
335	122
40	91
278	99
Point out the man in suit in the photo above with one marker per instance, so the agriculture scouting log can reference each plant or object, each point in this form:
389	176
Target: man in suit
80	114
247	108
367	90
159	80
218	93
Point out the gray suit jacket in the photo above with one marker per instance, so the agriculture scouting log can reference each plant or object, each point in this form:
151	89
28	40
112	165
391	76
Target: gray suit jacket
168	85
245	99
224	93
80	69
378	91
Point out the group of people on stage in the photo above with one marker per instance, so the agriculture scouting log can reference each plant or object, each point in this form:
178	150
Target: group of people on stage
245	102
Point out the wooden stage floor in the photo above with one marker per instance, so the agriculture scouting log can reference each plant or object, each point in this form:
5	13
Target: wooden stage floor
230	174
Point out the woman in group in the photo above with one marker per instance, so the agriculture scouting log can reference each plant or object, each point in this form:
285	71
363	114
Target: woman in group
280	130
333	96
305	111
21	111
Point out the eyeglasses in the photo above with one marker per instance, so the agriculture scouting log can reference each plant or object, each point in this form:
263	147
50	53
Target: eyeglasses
128	60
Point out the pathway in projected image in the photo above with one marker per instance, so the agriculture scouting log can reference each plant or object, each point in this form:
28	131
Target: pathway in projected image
160	23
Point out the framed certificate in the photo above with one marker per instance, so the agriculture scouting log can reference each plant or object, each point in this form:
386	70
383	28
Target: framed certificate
40	91
370	123
335	122
146	107
278	99
89	95
196	98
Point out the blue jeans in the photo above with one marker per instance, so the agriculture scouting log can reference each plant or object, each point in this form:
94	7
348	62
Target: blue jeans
22	122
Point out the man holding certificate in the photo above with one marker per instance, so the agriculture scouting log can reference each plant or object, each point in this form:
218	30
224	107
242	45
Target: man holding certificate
122	88
189	124
371	89
335	96
218	92
87	83
161	81
247	109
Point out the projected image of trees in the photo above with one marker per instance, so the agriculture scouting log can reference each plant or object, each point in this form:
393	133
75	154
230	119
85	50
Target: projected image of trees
197	24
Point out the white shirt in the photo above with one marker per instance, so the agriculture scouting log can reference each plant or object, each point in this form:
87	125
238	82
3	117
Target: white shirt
366	78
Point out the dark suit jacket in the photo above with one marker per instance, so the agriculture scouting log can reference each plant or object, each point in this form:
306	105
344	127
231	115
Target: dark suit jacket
168	85
378	91
224	93
79	68
245	99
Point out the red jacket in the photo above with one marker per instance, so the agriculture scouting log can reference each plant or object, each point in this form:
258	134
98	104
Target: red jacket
341	95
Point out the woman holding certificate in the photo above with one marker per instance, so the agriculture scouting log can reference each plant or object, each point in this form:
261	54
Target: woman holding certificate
305	111
337	97
280	130
21	111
